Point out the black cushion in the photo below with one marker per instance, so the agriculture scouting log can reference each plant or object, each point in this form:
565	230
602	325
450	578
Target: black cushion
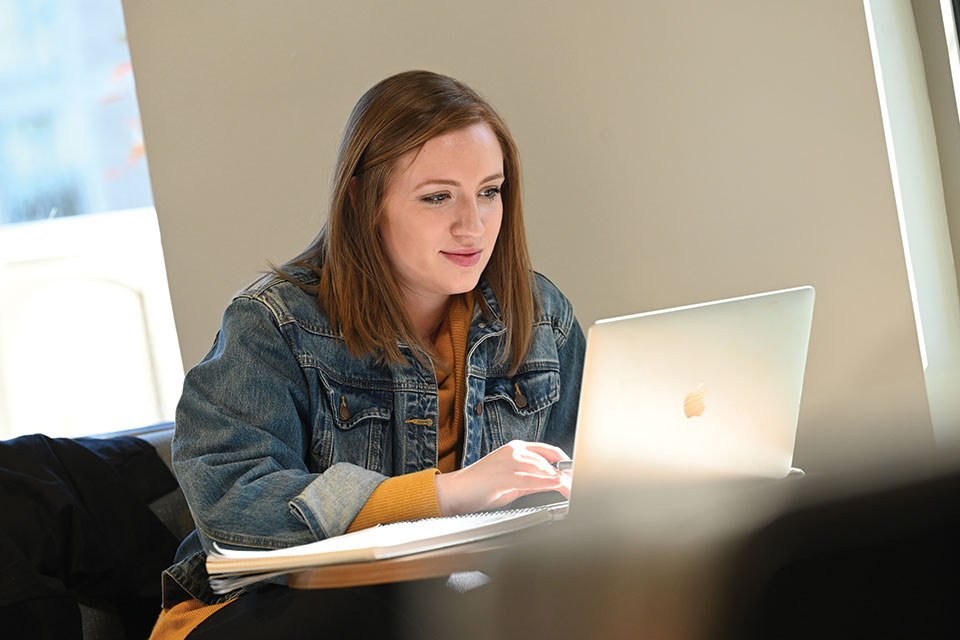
77	527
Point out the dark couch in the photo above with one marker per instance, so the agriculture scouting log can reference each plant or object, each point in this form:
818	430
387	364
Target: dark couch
92	523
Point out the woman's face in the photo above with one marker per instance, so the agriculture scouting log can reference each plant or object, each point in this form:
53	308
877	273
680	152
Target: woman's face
442	213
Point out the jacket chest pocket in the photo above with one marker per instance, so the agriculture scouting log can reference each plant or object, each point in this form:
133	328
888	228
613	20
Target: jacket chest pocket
517	408
353	425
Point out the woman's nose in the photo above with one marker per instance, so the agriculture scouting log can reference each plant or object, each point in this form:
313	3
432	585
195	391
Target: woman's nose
468	222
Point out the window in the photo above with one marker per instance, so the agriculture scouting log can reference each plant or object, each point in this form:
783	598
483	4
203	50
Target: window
951	18
87	341
912	72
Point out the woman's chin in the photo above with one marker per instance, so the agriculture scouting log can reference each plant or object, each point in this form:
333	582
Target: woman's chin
465	284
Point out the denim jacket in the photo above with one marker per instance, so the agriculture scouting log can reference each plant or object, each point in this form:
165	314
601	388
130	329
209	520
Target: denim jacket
282	434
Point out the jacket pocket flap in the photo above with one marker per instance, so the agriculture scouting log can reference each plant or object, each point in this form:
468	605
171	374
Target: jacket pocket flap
352	406
527	392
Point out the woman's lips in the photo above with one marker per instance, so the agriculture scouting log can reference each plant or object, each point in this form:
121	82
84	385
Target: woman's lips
463	259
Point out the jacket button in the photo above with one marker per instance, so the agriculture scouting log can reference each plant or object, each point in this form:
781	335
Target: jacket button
344	411
519	398
482	325
478	408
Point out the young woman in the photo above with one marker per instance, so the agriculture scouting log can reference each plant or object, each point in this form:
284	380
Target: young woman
408	364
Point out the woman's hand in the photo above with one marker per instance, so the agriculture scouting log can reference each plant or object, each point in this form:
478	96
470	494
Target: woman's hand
516	469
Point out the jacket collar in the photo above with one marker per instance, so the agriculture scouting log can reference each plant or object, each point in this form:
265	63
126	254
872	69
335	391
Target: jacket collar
487	291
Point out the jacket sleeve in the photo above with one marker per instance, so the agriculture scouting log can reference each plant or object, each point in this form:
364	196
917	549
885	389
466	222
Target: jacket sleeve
561	426
243	431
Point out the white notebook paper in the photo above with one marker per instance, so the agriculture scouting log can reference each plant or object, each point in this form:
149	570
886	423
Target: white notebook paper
232	568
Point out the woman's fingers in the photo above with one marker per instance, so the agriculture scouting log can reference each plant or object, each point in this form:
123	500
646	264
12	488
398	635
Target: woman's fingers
536	481
536	452
548	452
514	470
536	465
507	497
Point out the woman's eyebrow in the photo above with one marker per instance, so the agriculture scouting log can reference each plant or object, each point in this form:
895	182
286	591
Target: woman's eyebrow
454	183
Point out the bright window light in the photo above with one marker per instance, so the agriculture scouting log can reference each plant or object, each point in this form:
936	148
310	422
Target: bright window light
895	175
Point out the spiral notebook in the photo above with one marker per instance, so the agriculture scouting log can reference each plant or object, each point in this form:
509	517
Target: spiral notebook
233	568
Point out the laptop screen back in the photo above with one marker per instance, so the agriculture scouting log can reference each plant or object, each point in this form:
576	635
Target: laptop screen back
702	390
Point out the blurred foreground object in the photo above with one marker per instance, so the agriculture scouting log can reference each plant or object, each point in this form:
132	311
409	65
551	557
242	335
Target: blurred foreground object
800	558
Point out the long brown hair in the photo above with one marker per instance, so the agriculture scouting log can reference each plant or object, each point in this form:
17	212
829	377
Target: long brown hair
357	287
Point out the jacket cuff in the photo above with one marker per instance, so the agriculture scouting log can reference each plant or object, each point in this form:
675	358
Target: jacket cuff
331	502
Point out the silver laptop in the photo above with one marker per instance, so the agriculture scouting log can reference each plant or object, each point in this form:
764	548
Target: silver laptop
697	391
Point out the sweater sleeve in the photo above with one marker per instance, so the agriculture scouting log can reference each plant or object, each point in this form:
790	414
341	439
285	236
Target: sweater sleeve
407	497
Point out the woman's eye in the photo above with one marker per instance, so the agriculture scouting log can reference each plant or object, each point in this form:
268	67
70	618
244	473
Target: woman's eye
435	198
490	193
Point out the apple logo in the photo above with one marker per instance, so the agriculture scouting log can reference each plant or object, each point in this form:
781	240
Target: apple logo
693	404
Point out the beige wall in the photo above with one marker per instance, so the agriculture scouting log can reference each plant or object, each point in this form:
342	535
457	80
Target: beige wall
673	154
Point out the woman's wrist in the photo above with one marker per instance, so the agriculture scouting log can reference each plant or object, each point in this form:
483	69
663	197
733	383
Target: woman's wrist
445	486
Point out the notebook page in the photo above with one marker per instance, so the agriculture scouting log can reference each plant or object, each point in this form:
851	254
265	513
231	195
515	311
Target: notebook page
389	535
